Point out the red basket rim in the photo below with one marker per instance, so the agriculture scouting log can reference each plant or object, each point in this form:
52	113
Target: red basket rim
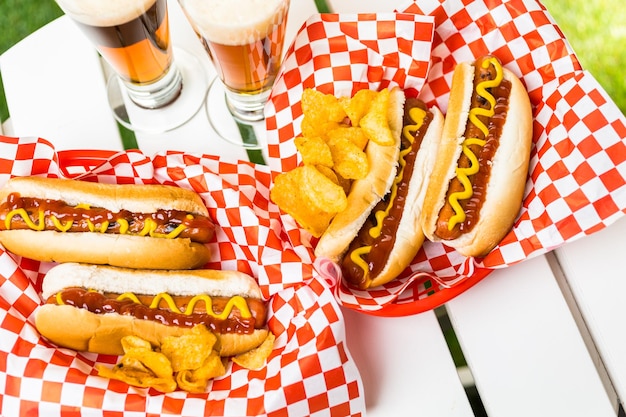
432	301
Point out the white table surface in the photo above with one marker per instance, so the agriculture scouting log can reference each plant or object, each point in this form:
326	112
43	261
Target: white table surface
546	337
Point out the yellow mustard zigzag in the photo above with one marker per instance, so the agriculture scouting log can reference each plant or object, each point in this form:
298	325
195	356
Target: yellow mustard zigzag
236	301
148	229
417	115
464	173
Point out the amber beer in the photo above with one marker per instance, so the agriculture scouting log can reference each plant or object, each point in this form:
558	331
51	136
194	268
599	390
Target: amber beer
244	39
249	68
133	37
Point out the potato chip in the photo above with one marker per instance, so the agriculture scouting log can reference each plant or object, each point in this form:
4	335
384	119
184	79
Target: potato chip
311	128
187	362
309	218
160	384
212	367
197	380
358	105
345	183
256	358
335	134
375	123
141	367
155	362
322	113
336	178
184	353
353	134
189	351
134	342
137	379
322	107
350	161
130	362
309	196
321	192
332	175
186	382
314	151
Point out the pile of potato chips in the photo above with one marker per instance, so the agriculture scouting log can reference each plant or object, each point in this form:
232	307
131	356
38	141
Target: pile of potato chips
186	362
335	134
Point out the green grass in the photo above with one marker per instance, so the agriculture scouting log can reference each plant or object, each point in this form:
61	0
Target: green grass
19	18
596	29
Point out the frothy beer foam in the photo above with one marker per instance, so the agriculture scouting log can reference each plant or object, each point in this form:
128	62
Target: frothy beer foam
235	22
104	12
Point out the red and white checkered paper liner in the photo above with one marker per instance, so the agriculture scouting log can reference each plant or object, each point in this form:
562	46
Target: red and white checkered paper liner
309	373
578	163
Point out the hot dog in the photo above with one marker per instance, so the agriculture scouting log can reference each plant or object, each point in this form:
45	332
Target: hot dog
135	226
476	189
92	307
375	242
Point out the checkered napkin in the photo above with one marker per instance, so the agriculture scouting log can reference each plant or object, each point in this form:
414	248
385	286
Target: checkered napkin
309	372
577	175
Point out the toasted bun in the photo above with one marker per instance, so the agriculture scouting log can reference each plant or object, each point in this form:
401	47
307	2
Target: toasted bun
409	237
219	283
115	197
509	170
366	192
130	251
106	249
81	330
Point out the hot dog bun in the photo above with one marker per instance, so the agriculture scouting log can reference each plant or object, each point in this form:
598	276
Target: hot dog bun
410	237
82	330
367	192
365	262
509	168
125	250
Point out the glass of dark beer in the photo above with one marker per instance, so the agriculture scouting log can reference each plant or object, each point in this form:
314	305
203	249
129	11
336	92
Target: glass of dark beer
244	39
146	90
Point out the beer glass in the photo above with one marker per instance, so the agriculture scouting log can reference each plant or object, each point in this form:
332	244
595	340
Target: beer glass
244	39
133	38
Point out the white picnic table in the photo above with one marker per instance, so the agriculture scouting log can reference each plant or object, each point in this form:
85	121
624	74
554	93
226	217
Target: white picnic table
546	337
